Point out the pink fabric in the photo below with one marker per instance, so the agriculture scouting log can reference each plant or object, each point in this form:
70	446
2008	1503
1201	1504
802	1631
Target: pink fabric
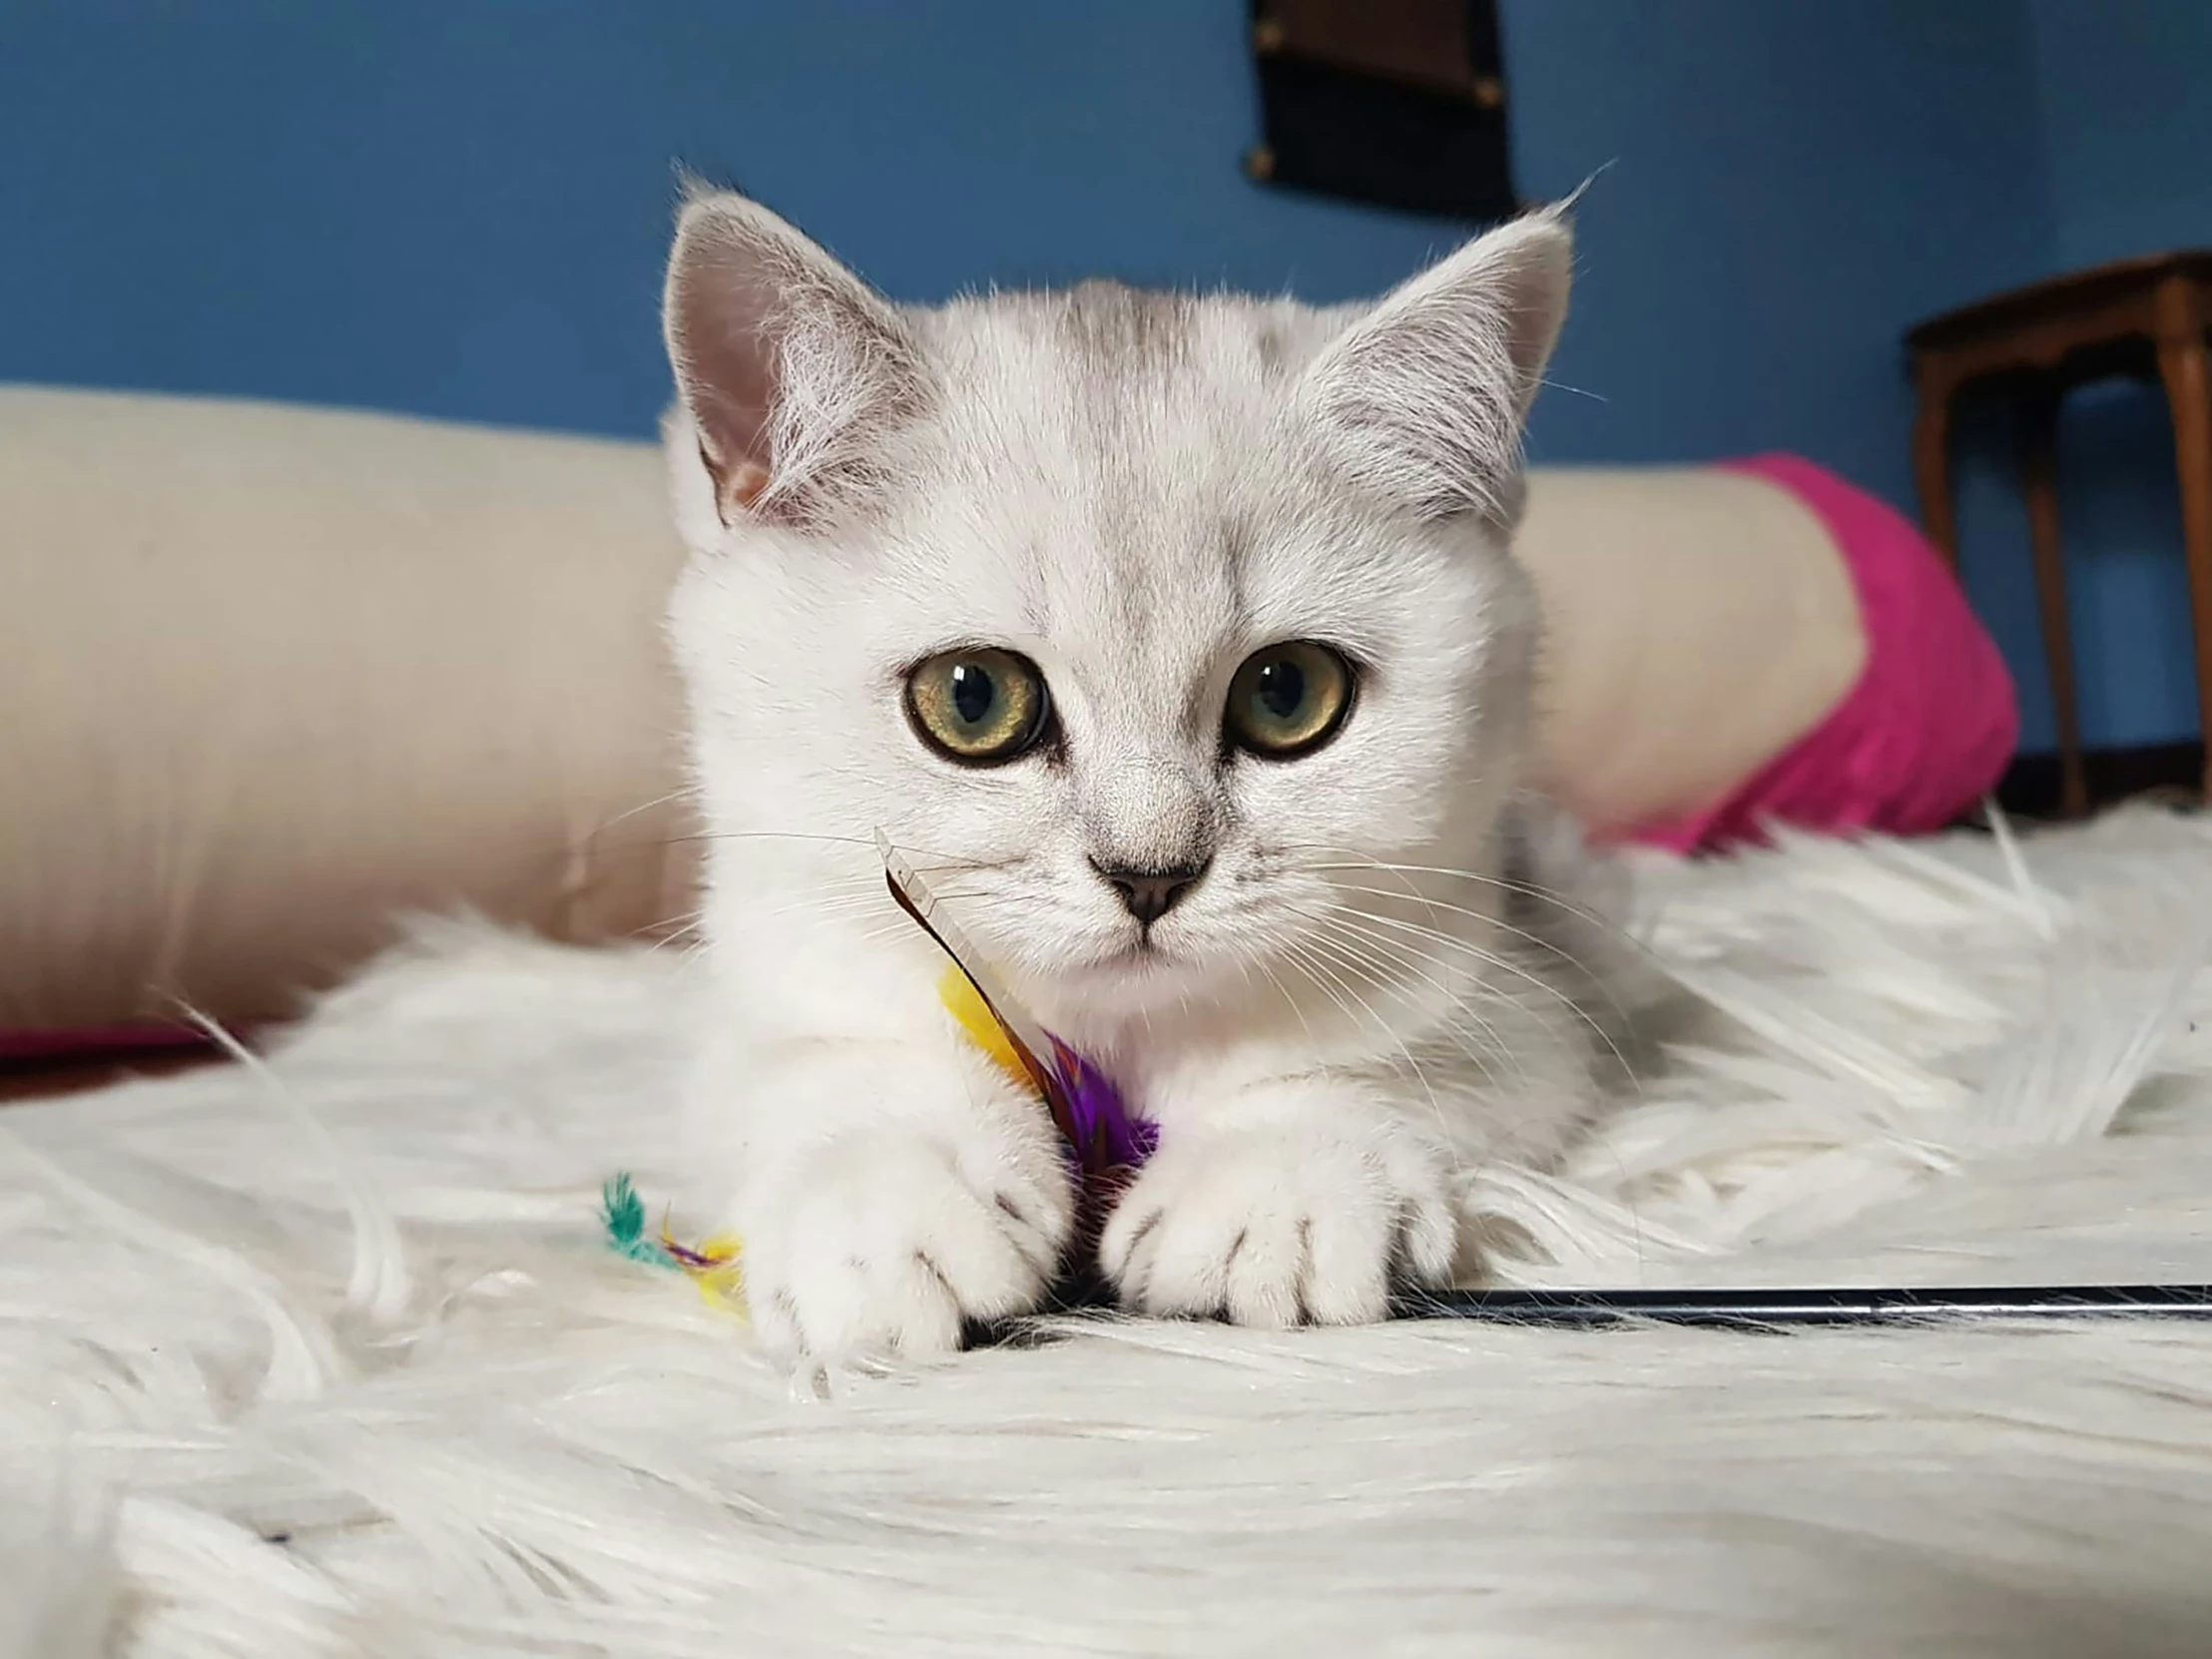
1929	725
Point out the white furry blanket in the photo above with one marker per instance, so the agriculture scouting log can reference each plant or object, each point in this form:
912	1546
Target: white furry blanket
326	1358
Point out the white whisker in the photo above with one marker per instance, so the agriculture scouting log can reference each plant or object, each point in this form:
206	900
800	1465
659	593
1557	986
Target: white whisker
1493	959
1390	967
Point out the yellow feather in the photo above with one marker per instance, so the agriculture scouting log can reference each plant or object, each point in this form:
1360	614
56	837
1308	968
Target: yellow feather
967	1005
722	1282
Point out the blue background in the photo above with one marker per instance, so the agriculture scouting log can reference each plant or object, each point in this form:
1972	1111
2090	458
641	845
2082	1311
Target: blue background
459	208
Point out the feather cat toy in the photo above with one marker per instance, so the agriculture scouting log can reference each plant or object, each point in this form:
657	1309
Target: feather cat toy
1104	1143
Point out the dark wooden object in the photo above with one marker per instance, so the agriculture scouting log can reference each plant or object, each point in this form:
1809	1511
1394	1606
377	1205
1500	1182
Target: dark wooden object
25	1080
2032	786
1396	103
2145	317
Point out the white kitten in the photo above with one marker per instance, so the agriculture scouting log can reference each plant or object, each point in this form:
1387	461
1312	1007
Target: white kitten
1173	638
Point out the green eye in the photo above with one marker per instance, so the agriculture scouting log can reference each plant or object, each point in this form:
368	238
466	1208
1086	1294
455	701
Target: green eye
1289	699
979	707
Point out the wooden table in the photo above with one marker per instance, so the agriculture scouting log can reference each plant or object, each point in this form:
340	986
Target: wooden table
2145	317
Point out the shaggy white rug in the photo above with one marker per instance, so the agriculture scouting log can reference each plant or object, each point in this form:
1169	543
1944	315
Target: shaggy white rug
326	1358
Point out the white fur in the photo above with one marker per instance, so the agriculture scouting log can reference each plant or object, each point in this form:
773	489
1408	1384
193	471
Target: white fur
1135	492
1940	1074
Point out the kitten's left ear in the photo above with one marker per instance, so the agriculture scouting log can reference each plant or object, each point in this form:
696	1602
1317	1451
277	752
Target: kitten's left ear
1428	391
793	370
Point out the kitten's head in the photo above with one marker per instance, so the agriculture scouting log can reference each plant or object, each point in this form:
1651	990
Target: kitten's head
1130	614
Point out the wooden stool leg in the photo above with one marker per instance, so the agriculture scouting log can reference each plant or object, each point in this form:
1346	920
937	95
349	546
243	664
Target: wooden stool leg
2181	364
2038	466
1931	464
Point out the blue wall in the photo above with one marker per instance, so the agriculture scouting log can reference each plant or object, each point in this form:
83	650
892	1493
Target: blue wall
458	208
2125	98
1786	187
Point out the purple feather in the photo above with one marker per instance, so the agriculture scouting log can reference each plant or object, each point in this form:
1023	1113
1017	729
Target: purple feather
1105	1143
1106	1137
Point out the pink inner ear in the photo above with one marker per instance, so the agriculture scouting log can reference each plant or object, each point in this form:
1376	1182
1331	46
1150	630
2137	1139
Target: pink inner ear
729	402
737	485
745	484
725	359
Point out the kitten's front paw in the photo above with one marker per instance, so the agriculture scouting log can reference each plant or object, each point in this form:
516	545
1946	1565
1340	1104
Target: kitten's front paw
1290	1224
889	1240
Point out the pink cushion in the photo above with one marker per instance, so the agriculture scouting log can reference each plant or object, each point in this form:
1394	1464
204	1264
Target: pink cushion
1928	727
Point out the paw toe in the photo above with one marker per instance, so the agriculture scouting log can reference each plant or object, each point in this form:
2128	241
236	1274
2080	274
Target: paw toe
1263	1277
1427	1241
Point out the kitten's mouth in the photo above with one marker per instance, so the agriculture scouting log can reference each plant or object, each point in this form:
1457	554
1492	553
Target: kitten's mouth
1142	955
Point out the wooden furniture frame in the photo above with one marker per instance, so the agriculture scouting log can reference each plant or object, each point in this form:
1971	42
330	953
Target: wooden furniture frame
2145	317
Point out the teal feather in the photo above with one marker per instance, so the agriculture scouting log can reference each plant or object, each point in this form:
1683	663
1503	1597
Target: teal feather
622	1215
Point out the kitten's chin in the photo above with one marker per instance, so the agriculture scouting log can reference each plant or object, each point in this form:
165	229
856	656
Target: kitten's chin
1132	966
1134	980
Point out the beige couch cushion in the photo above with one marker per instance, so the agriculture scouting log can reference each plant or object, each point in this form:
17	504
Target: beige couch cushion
271	677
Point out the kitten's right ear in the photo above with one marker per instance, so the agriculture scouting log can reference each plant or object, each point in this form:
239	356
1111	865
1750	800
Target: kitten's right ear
1428	389
791	369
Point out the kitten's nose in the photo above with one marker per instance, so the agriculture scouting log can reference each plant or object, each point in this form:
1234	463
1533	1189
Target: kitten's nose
1149	894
